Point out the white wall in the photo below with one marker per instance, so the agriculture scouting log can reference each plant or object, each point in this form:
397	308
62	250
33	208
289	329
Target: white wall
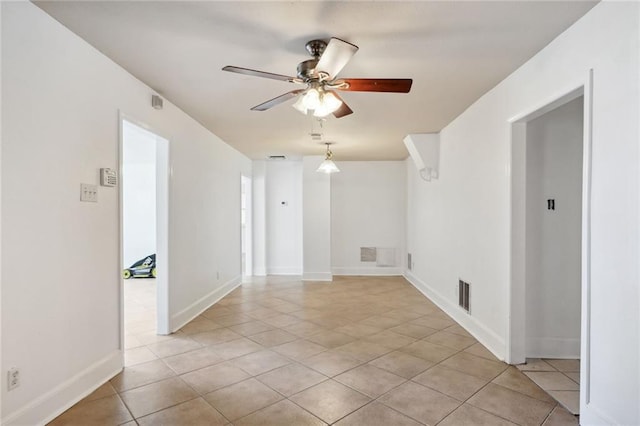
247	225
1	271
1	256
138	194
283	203
368	209
326	219
316	219
259	215
553	237
60	322
459	225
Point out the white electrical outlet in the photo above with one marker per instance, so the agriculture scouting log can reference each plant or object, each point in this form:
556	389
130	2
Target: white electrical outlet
13	378
88	192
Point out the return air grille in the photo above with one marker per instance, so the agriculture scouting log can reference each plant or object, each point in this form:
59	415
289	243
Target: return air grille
463	295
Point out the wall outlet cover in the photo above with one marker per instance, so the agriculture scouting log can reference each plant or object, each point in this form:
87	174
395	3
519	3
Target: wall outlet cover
13	378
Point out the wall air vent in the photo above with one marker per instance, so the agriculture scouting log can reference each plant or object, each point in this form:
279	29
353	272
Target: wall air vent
409	262
277	157
464	295
368	254
383	256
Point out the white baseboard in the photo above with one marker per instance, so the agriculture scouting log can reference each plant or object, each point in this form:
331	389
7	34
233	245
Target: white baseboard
592	415
183	317
383	271
549	347
259	272
317	276
487	337
50	405
285	270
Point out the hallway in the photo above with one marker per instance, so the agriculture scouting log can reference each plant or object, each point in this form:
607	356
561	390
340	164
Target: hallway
279	351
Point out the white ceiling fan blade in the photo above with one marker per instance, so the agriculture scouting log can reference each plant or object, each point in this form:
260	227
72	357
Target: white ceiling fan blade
277	100
336	56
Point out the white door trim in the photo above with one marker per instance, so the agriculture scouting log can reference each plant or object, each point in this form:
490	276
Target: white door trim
515	348
163	180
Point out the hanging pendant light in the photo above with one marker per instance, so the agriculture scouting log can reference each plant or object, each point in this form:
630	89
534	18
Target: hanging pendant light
328	166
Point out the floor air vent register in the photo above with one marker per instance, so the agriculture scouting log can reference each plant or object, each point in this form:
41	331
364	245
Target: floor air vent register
464	295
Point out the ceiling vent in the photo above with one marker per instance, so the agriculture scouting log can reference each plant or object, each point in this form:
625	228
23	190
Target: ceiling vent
277	157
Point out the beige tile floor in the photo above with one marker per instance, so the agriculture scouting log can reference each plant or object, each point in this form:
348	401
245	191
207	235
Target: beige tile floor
278	351
558	377
139	312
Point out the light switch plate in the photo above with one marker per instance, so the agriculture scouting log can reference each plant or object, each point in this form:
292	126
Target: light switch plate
88	192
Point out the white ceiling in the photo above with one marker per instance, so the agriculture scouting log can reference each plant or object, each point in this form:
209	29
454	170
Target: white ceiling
453	51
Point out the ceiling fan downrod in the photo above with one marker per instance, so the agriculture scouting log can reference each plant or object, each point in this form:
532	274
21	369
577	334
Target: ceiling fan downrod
307	69
316	48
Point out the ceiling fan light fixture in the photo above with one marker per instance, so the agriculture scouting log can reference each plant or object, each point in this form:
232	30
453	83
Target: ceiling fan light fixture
322	103
311	99
330	103
299	105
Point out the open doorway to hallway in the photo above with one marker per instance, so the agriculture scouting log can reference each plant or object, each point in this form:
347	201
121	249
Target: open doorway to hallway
547	219
144	213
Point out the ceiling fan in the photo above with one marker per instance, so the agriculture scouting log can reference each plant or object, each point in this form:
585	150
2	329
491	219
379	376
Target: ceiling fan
320	77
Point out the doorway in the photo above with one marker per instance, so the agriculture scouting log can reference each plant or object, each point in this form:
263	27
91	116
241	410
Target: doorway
144	233
549	179
246	237
553	232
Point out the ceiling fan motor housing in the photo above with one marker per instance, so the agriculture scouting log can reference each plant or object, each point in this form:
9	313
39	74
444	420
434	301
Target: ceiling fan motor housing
307	69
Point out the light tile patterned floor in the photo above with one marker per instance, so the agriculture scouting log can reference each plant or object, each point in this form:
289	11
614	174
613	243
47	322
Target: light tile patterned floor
559	377
139	315
278	351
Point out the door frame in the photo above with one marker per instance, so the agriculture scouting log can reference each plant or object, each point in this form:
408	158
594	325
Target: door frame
248	230
163	172
515	335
